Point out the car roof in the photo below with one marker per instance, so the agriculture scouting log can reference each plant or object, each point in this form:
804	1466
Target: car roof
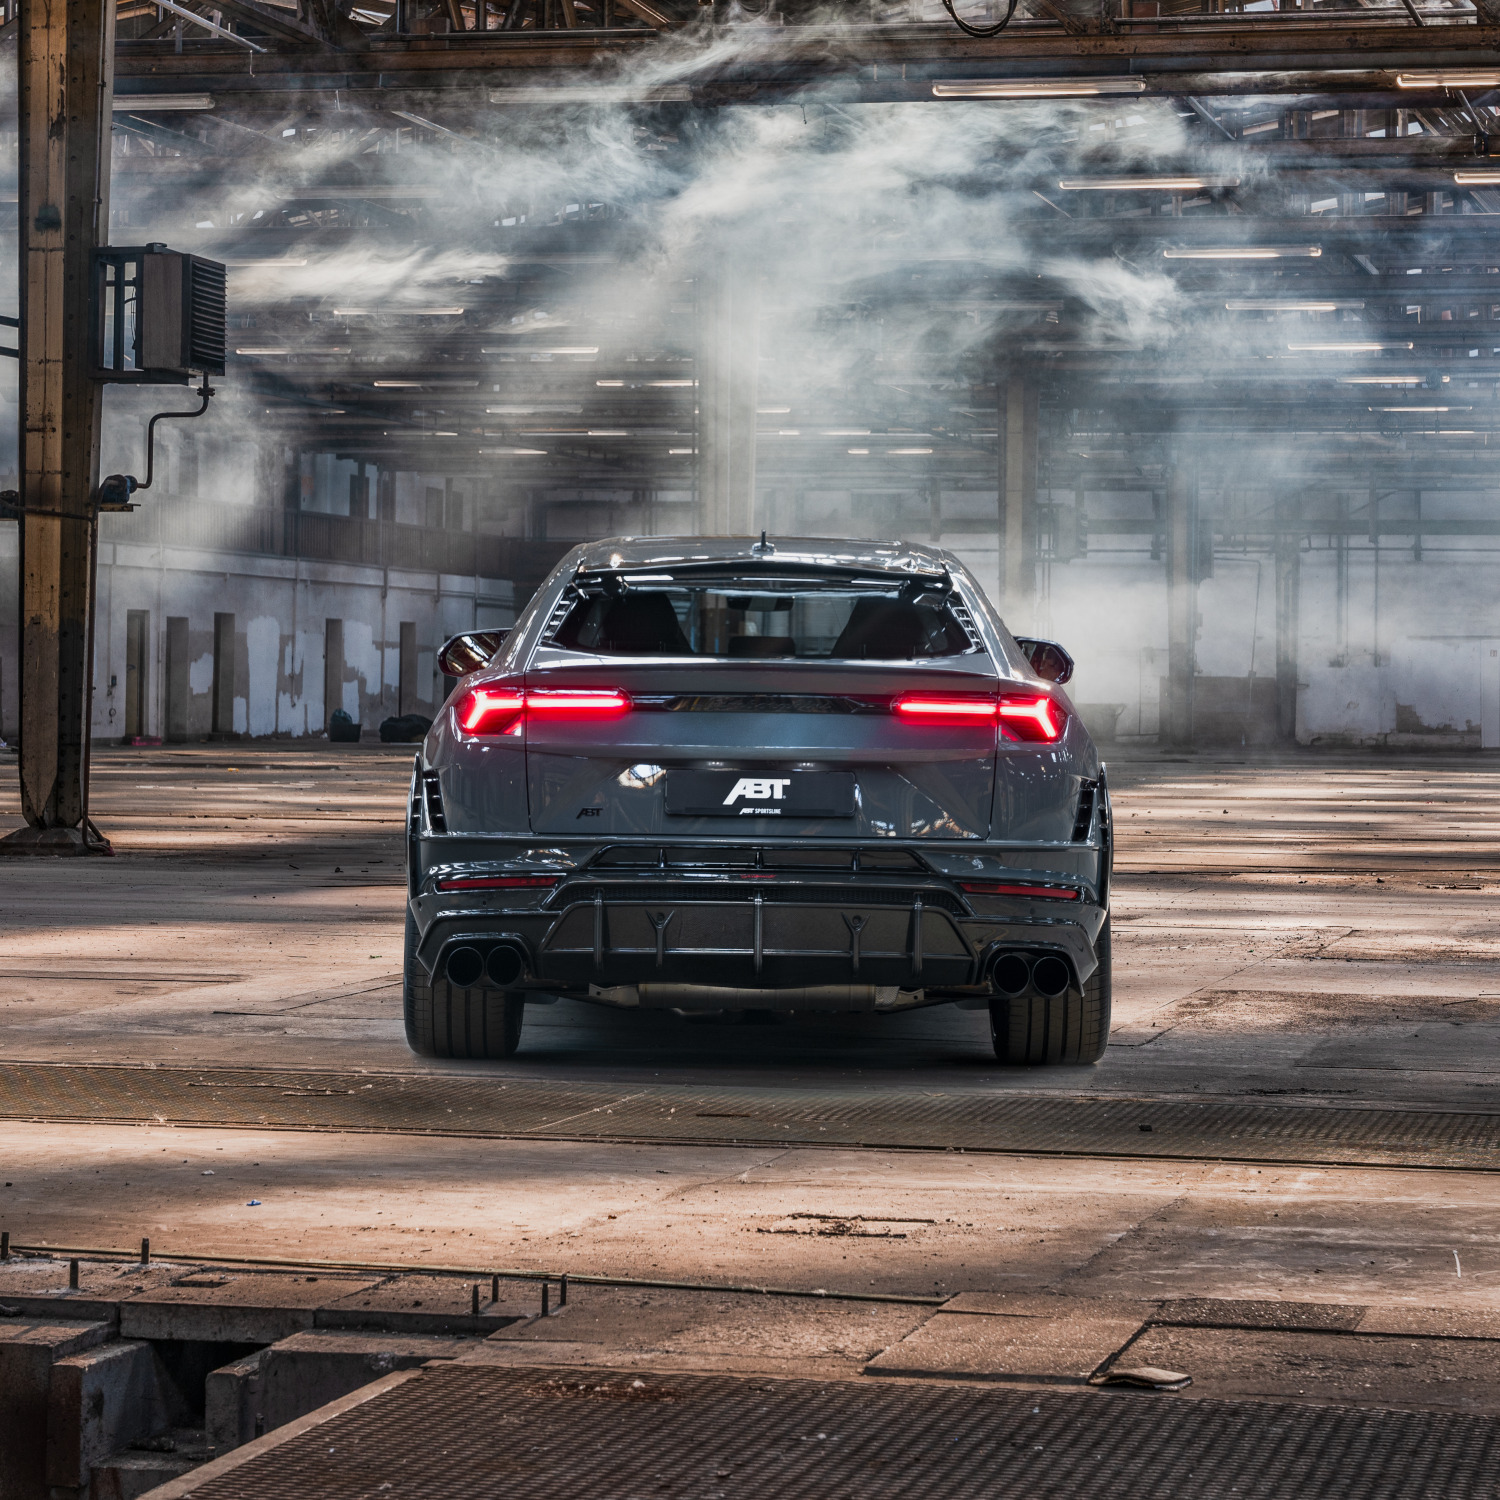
663	551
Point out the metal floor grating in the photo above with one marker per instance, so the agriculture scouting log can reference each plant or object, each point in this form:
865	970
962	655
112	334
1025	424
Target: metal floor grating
478	1431
970	1120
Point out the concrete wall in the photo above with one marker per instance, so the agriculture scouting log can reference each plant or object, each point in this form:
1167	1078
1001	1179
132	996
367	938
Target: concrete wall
280	607
1392	647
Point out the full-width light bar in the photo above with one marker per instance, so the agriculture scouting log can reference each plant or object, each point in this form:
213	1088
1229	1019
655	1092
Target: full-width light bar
1242	252
1035	88
1146	184
1450	78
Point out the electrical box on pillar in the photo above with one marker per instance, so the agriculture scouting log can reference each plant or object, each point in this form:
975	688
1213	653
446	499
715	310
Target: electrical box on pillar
159	318
159	315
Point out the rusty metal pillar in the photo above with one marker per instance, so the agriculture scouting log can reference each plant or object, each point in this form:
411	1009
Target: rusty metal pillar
66	91
1018	463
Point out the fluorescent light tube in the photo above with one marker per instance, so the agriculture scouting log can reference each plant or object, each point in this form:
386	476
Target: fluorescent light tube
1035	88
161	103
1242	252
1370	347
1477	177
1146	184
1381	379
1289	304
1450	78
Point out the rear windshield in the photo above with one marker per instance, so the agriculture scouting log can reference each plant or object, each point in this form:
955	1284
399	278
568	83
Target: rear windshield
760	618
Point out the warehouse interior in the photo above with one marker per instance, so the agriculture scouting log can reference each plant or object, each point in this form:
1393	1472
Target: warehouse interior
1176	321
1202	382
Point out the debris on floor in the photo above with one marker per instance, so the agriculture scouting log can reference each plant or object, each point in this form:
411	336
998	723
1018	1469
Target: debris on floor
1147	1377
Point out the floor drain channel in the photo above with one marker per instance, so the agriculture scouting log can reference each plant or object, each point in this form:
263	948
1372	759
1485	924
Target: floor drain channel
888	1118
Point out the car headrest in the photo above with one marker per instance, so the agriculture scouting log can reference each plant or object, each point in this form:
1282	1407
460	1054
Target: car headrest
881	628
643	625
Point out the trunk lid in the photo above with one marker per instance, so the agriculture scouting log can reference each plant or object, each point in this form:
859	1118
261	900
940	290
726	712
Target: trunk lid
739	724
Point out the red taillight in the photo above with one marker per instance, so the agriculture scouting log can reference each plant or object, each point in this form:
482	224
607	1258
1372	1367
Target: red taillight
490	711
497	882
1031	717
1040	892
576	703
945	708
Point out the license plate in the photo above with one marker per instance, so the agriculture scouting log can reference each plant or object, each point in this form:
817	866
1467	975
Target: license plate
776	794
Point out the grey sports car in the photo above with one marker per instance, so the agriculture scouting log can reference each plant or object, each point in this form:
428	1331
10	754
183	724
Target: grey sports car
714	774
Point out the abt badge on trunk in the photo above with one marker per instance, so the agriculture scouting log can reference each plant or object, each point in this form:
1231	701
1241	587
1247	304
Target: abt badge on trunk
758	789
728	794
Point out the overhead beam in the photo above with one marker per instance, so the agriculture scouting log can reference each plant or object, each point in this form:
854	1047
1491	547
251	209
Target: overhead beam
884	63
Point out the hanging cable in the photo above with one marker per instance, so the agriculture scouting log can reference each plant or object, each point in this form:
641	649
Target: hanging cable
981	31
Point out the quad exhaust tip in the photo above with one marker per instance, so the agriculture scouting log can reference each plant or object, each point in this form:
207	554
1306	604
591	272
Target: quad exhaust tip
506	965
1012	974
465	967
1051	976
1017	974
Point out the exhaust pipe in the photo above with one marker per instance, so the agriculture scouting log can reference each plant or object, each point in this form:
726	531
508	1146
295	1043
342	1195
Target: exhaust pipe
1011	974
506	965
1051	976
464	968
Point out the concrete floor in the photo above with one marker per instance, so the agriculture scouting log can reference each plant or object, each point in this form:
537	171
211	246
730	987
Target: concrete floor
1312	926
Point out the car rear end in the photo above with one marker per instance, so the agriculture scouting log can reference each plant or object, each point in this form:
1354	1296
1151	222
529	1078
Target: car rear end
716	775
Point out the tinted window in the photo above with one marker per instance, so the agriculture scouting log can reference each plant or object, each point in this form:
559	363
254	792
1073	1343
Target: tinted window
744	620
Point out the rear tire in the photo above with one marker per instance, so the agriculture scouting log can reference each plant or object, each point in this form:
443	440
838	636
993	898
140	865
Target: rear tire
1073	1028
443	1020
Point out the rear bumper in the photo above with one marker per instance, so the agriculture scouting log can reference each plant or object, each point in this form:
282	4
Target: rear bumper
597	933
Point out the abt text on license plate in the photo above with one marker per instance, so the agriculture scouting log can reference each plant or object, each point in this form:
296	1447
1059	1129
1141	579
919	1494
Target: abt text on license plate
775	794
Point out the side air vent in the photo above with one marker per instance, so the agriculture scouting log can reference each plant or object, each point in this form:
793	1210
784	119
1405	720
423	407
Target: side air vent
560	612
1088	793
432	793
960	612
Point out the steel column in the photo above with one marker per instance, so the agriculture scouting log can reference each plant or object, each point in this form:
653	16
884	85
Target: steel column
727	367
66	87
1018	440
1288	617
1182	605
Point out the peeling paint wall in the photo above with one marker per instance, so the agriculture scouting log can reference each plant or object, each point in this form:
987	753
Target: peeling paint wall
280	608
